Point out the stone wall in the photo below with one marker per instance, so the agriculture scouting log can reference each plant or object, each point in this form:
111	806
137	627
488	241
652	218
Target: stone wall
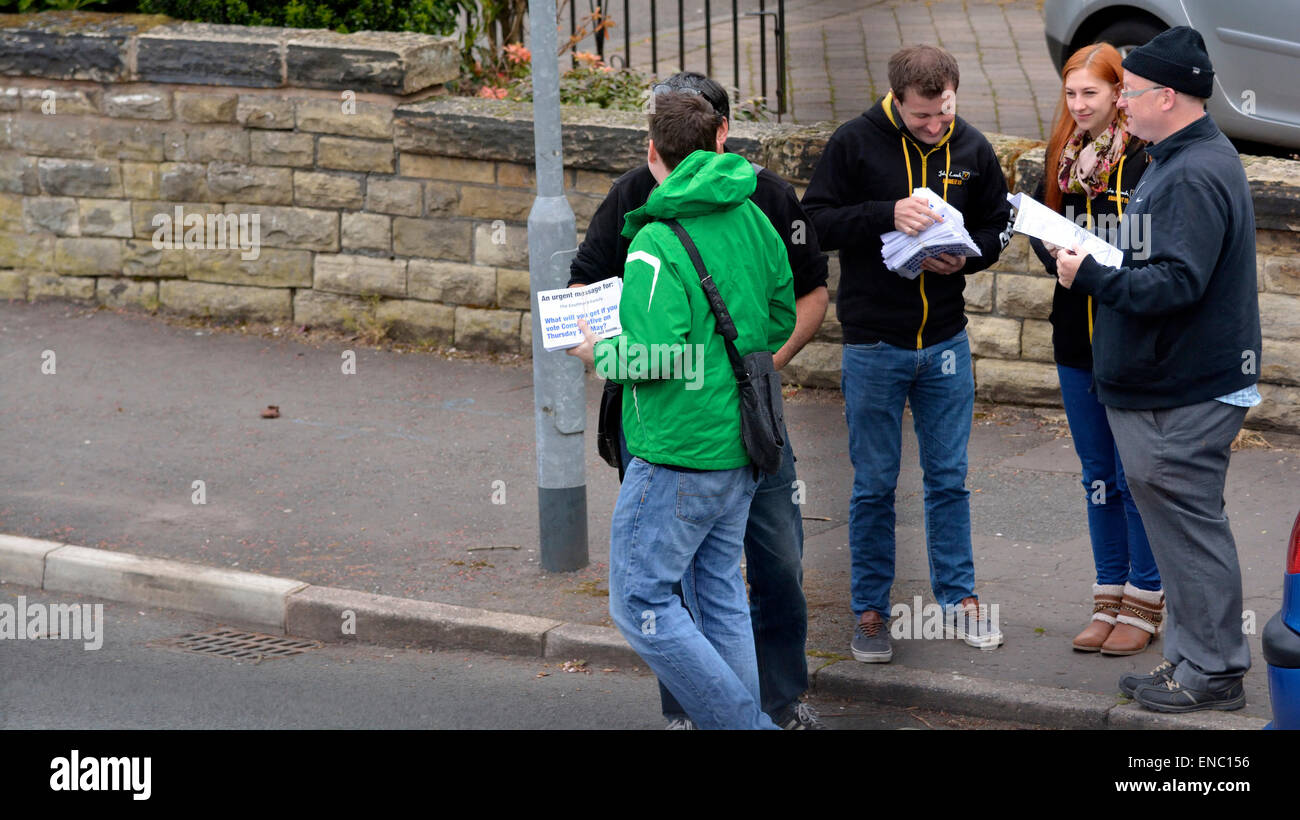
386	206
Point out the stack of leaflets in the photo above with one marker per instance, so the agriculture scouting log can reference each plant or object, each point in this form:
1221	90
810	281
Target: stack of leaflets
904	254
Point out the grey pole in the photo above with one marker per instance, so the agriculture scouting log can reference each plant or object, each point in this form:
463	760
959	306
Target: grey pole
559	389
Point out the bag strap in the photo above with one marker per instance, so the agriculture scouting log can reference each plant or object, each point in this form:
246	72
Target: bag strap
726	327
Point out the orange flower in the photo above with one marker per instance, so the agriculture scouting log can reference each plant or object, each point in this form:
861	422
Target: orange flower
491	93
587	58
517	53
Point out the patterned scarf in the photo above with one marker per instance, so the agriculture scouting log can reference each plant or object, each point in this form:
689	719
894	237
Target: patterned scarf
1086	162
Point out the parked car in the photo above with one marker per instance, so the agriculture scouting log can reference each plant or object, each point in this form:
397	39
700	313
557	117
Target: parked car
1282	643
1253	44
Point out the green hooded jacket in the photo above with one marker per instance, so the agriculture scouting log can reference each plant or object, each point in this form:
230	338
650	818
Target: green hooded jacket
682	407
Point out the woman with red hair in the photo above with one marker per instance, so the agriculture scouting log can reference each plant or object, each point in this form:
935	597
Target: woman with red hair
1091	167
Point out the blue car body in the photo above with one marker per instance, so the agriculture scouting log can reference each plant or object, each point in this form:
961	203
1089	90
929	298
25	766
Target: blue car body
1281	642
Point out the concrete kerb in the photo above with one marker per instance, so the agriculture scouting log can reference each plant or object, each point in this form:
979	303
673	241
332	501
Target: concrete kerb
22	560
340	615
977	697
244	597
332	614
1007	700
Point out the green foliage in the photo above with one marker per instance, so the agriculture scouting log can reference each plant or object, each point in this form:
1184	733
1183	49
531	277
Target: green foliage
593	87
24	6
423	16
597	87
752	110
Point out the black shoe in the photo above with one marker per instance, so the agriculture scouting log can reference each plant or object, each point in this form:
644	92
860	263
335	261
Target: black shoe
799	715
1130	683
1171	696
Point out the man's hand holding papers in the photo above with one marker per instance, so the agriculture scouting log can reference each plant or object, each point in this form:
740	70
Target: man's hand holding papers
941	246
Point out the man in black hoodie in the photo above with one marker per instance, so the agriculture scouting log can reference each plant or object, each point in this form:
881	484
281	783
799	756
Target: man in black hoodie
905	339
1176	350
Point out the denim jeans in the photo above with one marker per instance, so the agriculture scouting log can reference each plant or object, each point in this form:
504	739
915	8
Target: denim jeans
877	380
672	525
777	608
1119	541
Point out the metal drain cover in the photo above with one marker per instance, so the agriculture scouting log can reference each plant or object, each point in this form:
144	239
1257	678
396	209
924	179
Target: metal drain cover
236	644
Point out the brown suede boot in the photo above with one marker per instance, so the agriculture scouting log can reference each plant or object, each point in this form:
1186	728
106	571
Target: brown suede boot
1106	603
1138	621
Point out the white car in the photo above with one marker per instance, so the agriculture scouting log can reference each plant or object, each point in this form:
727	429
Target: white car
1253	44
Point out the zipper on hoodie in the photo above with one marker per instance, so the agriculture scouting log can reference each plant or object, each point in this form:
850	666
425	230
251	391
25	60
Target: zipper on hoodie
1119	214
907	160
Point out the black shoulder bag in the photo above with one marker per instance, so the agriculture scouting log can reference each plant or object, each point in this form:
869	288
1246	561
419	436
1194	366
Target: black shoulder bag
762	421
609	424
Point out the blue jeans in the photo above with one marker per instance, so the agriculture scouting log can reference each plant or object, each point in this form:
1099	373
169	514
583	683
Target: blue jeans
777	608
671	525
877	380
1119	541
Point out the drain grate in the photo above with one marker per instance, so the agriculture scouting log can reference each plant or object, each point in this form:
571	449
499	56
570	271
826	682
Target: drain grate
237	645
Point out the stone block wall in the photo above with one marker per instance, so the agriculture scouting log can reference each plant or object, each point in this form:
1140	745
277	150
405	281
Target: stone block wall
110	130
388	207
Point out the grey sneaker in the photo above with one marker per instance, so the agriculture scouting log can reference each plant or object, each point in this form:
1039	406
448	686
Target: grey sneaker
677	724
799	715
969	621
1129	684
871	639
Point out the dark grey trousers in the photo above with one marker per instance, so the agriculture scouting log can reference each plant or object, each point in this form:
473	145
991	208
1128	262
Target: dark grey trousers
1176	461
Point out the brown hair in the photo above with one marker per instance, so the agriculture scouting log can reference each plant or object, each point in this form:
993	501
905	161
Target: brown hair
683	124
1101	59
928	70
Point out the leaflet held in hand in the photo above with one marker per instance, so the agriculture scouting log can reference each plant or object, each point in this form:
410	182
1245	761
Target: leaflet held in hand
559	312
1039	221
904	254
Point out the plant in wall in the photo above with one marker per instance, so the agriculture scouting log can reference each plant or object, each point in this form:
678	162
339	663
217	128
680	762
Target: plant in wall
591	83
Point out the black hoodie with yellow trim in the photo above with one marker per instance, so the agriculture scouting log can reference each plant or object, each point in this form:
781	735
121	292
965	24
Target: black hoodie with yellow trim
1074	313
869	164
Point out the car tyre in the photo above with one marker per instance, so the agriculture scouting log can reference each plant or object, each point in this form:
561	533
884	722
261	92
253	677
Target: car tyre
1126	35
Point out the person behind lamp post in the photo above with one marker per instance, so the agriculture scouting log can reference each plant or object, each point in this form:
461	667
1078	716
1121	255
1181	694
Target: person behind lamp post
1091	167
905	339
685	497
1176	357
774	531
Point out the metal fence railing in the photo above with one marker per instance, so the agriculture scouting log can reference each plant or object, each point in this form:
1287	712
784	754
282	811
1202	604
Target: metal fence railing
641	27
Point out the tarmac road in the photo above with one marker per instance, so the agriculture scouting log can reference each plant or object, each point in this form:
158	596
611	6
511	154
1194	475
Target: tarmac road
132	682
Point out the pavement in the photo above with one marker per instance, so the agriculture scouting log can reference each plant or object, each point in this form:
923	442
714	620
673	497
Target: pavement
368	512
837	54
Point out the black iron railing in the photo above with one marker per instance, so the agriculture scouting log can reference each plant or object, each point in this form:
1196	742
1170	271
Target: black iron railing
597	10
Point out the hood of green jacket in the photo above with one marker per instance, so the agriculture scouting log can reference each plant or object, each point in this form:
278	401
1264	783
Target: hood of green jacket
703	183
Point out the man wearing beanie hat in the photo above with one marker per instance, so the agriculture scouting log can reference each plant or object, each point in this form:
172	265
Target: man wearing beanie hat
1176	354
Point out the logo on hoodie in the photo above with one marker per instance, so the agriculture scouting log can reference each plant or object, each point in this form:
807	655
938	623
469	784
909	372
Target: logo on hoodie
957	177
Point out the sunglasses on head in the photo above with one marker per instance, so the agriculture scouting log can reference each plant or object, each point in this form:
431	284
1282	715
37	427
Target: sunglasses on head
665	88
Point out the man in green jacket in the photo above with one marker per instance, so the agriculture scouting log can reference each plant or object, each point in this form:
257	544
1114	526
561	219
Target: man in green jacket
684	501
